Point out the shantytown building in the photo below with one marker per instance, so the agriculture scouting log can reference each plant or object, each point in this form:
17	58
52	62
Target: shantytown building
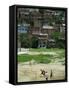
40	23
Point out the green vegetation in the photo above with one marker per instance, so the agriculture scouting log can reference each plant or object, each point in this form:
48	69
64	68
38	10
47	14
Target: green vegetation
34	42
27	42
59	42
41	58
38	58
24	39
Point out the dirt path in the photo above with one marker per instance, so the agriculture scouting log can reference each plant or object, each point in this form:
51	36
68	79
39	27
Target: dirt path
37	53
33	73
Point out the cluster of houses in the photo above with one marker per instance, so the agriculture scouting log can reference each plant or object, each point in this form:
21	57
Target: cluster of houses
40	23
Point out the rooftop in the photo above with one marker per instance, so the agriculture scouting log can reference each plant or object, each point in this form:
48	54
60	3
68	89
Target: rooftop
47	27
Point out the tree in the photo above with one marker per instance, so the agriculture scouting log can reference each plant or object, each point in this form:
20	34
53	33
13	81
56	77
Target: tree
34	40
59	41
24	39
56	35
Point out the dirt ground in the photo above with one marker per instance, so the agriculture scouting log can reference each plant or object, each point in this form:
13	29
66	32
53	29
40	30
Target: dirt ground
31	72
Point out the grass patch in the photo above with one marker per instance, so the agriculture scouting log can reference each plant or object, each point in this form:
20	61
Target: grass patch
38	58
61	54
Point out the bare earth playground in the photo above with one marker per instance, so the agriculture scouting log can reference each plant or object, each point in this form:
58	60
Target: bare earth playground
32	61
